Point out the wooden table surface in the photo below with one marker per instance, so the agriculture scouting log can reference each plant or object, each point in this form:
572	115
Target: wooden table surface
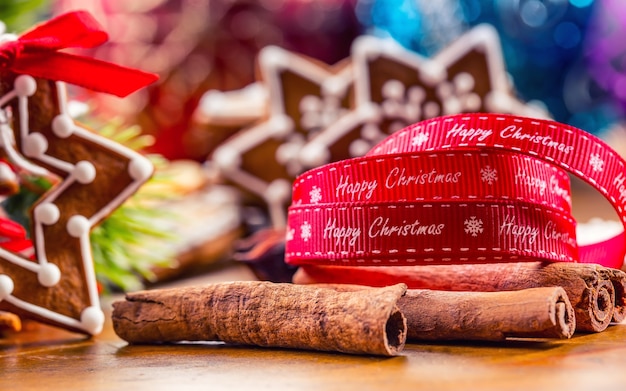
45	358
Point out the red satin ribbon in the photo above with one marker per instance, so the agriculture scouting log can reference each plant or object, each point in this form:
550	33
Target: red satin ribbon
37	53
340	209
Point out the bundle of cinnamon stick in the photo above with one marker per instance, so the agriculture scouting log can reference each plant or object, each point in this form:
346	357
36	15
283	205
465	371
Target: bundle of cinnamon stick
360	319
597	293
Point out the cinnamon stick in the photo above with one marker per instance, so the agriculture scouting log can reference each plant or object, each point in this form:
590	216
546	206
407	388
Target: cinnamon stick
488	316
618	279
432	315
266	314
588	286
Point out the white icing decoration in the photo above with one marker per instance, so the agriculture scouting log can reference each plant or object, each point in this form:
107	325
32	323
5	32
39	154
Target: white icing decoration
393	89
84	172
273	56
25	85
6	286
281	126
6	174
464	82
47	213
140	169
49	275
92	319
310	103
35	145
78	226
63	125
279	190
359	148
370	112
227	157
314	154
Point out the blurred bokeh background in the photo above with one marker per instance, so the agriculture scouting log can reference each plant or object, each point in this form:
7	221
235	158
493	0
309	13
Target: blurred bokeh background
568	55
565	56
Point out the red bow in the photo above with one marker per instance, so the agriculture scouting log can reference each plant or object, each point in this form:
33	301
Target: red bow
36	53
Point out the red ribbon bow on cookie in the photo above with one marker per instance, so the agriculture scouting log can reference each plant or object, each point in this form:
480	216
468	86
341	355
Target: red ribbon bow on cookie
37	53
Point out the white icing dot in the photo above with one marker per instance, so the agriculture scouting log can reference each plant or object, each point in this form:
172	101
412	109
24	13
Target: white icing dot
472	102
92	320
140	169
84	172
370	132
48	275
78	226
416	94
6	286
278	191
358	148
464	82
281	126
227	158
431	109
445	90
310	120
35	145
393	89
391	108
370	112
314	154
25	85
310	103
47	214
63	125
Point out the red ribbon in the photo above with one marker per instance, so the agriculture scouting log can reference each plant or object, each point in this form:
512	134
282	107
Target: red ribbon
37	53
465	188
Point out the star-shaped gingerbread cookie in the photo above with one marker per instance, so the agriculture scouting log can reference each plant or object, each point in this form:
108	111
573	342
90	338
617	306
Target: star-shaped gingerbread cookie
304	97
395	87
96	175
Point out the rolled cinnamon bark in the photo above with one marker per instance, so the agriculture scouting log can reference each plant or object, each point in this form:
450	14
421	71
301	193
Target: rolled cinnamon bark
618	279
488	316
267	314
432	315
588	286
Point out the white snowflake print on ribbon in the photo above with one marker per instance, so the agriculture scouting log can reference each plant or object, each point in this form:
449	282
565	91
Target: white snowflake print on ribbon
305	231
419	139
289	234
488	174
315	194
596	162
473	226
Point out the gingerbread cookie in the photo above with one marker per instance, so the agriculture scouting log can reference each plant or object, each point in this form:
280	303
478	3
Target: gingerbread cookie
304	97
395	87
95	176
319	114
